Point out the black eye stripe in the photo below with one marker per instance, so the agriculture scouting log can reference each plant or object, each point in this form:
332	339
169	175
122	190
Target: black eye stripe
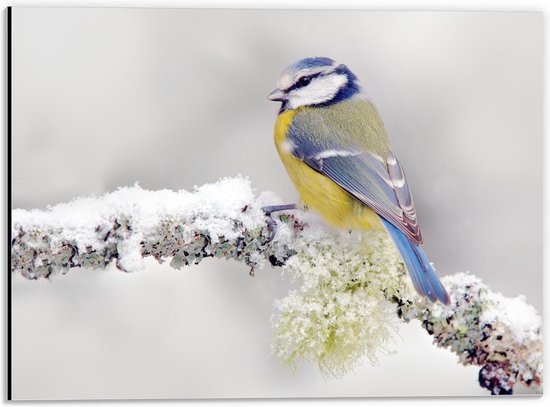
300	83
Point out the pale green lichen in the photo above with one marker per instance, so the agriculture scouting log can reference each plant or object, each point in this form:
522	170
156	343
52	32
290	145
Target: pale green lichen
340	313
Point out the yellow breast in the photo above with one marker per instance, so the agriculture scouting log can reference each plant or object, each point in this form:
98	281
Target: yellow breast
319	192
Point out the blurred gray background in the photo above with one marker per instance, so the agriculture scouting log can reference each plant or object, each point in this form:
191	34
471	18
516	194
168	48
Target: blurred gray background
172	98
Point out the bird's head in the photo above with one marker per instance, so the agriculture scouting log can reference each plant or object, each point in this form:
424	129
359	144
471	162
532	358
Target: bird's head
314	82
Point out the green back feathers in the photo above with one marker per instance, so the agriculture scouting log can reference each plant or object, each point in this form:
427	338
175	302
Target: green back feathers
351	124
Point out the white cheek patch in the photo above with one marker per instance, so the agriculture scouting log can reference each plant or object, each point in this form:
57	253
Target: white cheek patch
321	89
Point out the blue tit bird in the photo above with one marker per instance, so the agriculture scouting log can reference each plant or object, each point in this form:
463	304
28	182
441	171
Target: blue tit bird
334	146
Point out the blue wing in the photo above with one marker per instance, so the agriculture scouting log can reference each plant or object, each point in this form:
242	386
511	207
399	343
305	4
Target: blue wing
378	182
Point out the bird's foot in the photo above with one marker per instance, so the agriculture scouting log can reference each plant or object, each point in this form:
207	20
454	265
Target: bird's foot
271	224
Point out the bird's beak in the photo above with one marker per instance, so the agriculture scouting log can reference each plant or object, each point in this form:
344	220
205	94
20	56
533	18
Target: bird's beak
277	95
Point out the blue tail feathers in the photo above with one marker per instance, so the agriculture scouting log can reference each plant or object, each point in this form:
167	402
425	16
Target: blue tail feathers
422	273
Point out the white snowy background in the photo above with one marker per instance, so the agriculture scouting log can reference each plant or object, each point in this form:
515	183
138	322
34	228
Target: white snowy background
173	98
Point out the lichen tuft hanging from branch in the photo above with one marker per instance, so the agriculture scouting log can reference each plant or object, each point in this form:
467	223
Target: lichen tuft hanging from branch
351	287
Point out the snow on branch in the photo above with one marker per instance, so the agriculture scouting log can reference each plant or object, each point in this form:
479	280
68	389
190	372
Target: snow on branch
351	288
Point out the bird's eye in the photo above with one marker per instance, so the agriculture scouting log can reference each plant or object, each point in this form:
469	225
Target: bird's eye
304	80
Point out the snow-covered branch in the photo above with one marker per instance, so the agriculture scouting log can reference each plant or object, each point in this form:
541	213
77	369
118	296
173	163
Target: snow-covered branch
352	286
221	220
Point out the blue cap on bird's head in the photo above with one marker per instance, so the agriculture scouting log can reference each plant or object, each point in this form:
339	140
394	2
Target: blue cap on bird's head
316	81
311	62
